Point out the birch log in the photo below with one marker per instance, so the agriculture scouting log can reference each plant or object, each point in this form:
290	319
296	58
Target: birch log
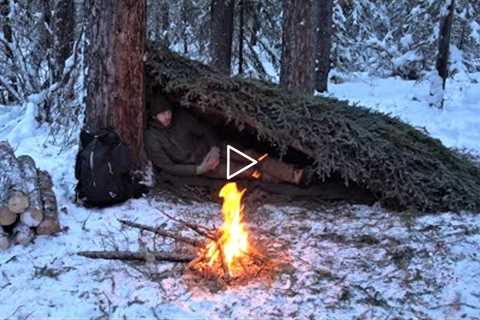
17	202
50	224
12	188
33	215
7	217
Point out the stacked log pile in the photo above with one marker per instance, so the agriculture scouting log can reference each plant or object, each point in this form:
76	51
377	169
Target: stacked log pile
27	202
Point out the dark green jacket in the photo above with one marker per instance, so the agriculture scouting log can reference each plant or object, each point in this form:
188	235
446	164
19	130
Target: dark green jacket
179	148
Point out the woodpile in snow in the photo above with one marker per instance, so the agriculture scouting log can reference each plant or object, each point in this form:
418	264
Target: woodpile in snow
28	205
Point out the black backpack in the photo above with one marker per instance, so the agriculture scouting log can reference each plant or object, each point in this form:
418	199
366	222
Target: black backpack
102	170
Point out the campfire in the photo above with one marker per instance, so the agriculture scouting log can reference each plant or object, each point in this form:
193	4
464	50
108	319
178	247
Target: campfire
227	253
230	254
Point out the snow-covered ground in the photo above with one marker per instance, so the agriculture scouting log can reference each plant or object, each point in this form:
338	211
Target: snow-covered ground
457	125
349	261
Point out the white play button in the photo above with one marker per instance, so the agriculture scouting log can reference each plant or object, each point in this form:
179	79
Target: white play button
248	166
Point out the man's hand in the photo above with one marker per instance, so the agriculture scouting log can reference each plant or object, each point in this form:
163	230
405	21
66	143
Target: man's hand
210	162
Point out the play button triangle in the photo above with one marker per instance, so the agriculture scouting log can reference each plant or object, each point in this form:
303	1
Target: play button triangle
250	159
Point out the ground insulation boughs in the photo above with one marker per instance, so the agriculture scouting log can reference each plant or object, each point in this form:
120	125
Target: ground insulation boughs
404	167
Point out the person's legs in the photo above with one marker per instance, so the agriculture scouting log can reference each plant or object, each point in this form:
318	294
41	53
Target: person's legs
277	169
271	170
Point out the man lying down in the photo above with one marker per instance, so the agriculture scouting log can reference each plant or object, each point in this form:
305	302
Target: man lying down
180	145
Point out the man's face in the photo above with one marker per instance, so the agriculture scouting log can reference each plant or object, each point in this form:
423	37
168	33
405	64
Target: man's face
165	118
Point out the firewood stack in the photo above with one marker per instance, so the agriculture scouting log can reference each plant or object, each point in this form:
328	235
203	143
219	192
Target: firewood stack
27	202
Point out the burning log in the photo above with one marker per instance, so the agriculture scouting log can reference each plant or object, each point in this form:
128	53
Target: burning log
138	256
226	252
50	223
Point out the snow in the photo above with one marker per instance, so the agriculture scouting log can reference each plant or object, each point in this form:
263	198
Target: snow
475	34
456	125
406	40
348	261
405	58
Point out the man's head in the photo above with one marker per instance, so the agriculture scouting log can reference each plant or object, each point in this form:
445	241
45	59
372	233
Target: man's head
161	110
164	117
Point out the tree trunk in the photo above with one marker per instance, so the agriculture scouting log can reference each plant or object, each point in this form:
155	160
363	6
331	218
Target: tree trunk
43	41
323	20
298	46
241	35
165	21
115	79
446	22
221	35
8	36
64	27
255	8
186	17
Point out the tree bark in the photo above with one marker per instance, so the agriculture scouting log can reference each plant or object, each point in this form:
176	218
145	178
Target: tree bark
8	36
241	35
64	27
446	22
221	35
186	14
50	223
164	8
33	215
12	186
298	46
115	79
323	10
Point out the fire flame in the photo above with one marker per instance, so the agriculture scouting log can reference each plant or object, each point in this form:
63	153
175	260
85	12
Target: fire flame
256	174
233	242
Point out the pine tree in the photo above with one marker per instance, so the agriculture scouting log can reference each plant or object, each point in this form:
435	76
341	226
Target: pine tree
298	46
323	18
222	12
115	79
64	27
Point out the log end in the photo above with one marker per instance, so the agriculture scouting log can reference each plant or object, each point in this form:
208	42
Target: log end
7	217
18	202
22	234
48	227
32	217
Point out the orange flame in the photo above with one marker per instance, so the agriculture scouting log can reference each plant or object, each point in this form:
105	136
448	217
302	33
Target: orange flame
233	243
256	174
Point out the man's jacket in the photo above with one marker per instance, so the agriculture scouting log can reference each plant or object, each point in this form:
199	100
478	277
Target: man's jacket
179	148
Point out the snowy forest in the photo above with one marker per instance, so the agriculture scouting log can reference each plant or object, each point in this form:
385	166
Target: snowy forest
239	159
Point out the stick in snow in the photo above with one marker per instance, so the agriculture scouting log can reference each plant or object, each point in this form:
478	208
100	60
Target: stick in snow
138	256
163	232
